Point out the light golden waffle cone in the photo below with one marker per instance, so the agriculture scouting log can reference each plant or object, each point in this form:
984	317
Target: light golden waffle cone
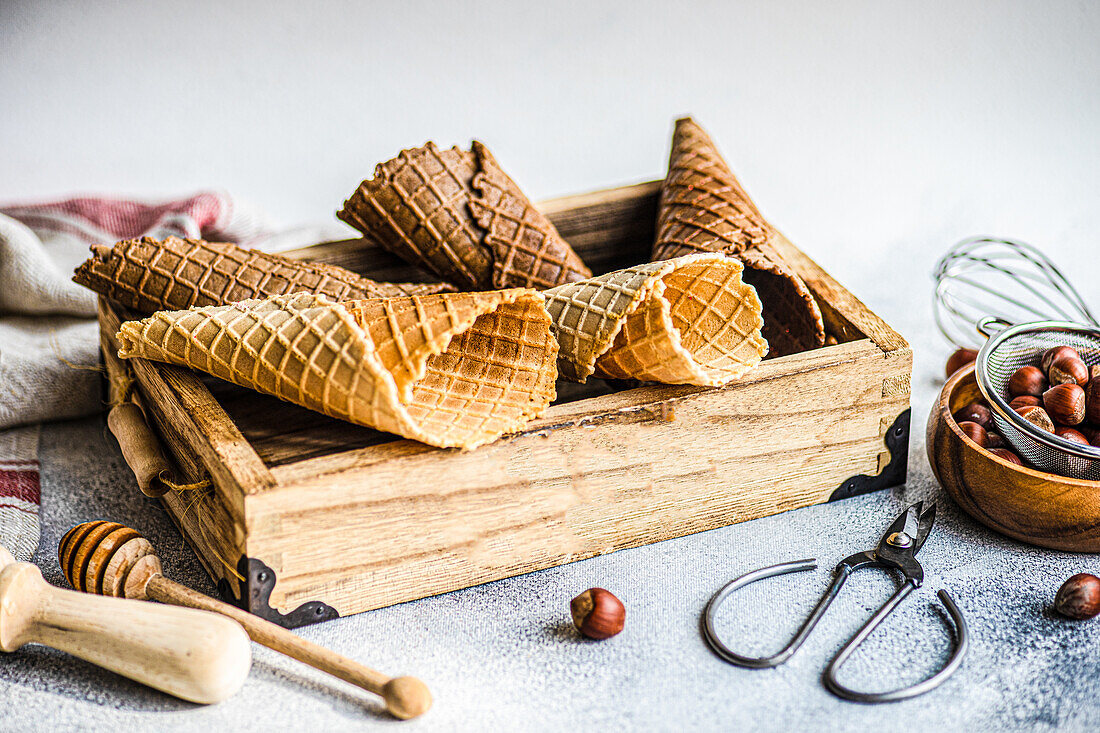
690	320
148	275
703	208
458	214
450	370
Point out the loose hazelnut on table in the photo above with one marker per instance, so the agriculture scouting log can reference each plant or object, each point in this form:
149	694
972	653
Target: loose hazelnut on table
1028	380
1052	354
1038	417
1079	597
598	614
974	412
1068	370
1065	403
975	432
959	359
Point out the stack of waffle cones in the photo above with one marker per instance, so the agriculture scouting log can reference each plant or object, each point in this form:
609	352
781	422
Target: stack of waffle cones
689	320
148	275
449	370
703	208
456	213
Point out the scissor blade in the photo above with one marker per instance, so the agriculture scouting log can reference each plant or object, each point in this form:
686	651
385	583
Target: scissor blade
906	522
927	519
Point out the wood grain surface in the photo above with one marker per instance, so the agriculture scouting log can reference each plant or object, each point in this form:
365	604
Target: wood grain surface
361	519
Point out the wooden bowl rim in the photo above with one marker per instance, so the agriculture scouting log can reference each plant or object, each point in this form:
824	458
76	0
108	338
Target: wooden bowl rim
943	406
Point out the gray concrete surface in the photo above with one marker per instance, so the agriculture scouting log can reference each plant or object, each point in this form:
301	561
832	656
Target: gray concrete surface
504	655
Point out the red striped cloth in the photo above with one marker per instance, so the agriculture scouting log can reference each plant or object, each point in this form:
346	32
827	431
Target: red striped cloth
46	327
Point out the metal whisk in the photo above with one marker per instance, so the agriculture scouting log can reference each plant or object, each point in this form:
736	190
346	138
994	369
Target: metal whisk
1012	293
1003	279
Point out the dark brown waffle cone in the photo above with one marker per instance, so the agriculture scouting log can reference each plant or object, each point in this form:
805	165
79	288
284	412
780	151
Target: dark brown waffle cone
456	213
703	208
148	275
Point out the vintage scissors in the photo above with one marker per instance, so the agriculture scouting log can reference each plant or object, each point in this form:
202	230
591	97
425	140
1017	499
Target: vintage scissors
896	551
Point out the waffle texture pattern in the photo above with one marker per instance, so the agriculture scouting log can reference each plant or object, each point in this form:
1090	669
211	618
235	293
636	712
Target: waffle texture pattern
690	320
703	208
456	213
450	370
148	275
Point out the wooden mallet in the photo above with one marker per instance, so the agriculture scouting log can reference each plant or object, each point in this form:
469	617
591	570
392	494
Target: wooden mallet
110	559
194	655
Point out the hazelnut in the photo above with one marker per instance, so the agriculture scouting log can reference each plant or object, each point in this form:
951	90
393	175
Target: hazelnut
974	412
959	359
1027	380
1068	370
994	440
598	614
1072	435
1065	403
1055	353
1025	400
1091	434
1038	417
1079	597
1007	455
1092	396
974	431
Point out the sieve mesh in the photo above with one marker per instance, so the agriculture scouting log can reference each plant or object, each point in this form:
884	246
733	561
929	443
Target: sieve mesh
1023	345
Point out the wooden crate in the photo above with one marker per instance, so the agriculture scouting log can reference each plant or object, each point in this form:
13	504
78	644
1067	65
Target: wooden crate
323	518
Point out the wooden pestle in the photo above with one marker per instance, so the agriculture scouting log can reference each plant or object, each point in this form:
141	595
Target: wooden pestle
113	560
191	654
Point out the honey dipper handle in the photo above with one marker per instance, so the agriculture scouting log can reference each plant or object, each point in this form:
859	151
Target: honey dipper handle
406	697
196	656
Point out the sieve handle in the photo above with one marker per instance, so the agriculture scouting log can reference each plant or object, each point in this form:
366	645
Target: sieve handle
990	326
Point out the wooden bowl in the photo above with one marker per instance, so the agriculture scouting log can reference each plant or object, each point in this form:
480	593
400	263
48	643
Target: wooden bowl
1029	505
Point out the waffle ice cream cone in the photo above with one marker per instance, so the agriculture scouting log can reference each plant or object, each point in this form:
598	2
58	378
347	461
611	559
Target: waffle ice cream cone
703	208
456	213
689	320
148	275
450	370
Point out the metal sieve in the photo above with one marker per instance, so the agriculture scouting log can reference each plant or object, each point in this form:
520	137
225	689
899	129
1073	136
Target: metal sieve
1007	349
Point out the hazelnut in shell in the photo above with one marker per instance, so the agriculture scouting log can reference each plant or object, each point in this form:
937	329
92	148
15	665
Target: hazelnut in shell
1057	352
994	440
1028	380
1079	597
974	412
975	432
1092	435
1068	370
1092	396
1025	400
1065	403
1074	436
598	614
1037	416
959	359
1007	455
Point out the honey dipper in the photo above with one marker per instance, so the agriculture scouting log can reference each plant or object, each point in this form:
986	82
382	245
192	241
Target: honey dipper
113	560
194	655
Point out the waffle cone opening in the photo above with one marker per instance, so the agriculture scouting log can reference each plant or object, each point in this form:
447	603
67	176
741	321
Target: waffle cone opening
450	370
691	320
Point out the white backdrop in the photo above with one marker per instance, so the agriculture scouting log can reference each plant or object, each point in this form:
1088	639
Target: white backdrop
874	133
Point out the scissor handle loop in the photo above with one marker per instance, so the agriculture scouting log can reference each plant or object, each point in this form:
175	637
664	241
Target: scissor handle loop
957	654
792	646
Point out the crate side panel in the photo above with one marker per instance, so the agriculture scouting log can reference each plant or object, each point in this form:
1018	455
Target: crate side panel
425	524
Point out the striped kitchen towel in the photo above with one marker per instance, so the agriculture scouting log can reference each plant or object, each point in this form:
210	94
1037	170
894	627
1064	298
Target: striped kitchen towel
49	344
